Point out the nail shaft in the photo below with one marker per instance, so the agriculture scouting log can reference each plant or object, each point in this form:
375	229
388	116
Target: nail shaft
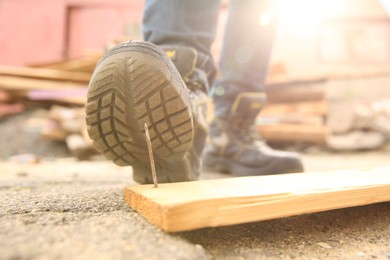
152	166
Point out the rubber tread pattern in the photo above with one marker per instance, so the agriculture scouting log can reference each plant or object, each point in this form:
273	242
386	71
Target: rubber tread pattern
131	85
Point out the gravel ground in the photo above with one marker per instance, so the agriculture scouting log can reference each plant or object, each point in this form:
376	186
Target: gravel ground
20	134
65	209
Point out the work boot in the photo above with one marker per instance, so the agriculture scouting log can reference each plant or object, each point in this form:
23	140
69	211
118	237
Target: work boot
137	83
235	146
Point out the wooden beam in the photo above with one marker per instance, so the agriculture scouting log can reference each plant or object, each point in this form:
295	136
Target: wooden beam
278	80
39	73
71	96
10	109
295	94
83	64
308	133
291	119
211	203
334	73
11	83
356	73
318	107
44	90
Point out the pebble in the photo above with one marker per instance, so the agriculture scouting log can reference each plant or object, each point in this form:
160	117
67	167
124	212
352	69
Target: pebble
325	245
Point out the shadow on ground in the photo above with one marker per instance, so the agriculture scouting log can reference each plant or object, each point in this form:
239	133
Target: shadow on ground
360	232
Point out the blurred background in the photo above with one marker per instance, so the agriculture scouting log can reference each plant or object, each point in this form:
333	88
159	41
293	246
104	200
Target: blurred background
328	83
314	36
328	89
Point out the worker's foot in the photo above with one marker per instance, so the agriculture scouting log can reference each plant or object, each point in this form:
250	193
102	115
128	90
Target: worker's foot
136	83
235	147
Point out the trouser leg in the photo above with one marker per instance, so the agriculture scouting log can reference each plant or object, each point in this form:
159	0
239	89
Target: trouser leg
246	51
177	22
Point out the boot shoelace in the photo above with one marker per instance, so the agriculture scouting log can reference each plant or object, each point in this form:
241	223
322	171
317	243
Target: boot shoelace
195	85
245	131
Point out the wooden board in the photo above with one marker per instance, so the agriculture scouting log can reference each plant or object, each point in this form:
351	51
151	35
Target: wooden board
71	96
335	73
318	107
83	64
291	119
295	93
42	90
11	83
39	73
307	133
192	205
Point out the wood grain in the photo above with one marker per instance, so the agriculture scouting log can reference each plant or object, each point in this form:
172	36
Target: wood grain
317	107
191	205
41	73
12	83
308	133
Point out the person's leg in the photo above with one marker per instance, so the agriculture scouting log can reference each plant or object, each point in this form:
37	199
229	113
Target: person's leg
186	28
190	23
239	95
161	82
246	50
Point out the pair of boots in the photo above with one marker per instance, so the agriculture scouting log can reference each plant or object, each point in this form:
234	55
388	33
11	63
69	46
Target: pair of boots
137	83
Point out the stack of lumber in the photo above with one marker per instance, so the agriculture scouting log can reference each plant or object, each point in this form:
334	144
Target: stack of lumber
60	86
296	111
68	125
62	82
8	106
300	109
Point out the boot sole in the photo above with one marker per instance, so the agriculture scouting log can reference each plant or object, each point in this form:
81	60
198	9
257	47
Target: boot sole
136	83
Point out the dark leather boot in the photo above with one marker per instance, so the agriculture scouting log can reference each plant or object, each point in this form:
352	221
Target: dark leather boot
235	147
137	83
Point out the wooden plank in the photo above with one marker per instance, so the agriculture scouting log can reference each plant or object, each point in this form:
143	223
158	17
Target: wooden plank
71	96
277	80
11	83
308	133
4	96
39	73
295	94
10	109
355	73
309	112
44	90
191	205
83	64
318	107
334	73
293	119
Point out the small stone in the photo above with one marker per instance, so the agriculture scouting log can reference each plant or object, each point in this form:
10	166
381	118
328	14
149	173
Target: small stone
22	174
324	245
199	247
357	140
